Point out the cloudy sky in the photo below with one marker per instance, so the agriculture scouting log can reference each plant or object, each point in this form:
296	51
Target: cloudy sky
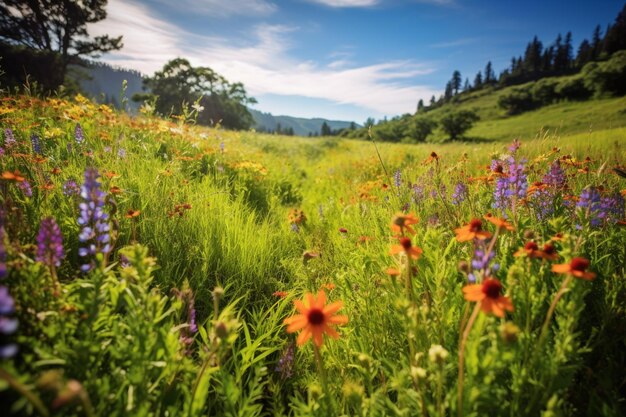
341	59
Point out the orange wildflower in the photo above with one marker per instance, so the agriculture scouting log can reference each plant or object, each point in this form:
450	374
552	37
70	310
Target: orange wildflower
111	174
13	176
472	230
577	267
393	271
402	222
549	252
432	157
315	319
115	190
406	247
132	213
500	223
530	249
488	294
280	294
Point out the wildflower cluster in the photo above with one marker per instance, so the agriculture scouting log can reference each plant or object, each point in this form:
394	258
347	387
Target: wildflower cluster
94	235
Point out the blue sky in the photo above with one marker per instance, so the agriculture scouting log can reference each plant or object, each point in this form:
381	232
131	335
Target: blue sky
342	59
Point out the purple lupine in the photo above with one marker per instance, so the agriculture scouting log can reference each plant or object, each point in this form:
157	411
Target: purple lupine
460	193
121	153
94	221
25	187
510	187
397	178
612	208
555	176
8	325
70	188
589	204
418	193
481	266
284	367
9	138
3	254
193	327
79	135
49	243
34	140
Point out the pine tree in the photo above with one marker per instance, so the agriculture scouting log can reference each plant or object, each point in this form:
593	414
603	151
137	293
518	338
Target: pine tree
420	105
478	81
596	43
456	81
467	86
490	76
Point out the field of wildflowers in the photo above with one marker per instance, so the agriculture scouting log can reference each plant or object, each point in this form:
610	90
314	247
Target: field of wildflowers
155	268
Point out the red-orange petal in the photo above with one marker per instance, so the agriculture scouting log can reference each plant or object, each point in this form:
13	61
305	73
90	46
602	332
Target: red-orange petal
338	319
304	336
332	308
561	268
473	292
296	323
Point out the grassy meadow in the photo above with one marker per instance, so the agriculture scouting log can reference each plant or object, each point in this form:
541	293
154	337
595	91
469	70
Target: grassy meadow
159	268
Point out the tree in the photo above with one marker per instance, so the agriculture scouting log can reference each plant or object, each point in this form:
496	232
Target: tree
449	92
179	84
456	81
478	81
467	86
457	123
58	26
325	130
596	42
490	76
420	105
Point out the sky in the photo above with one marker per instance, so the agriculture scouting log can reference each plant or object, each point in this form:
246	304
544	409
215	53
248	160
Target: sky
342	59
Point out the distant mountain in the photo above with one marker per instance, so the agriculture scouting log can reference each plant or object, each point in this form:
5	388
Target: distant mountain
267	122
103	83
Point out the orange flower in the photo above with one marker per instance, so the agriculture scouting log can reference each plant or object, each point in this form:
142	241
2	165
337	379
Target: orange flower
394	272
549	252
402	222
13	176
432	157
406	247
132	213
472	230
280	294
500	223
577	267
530	249
111	174
489	297
315	319
115	190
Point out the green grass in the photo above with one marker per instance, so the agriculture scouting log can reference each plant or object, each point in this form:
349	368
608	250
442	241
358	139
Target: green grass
119	341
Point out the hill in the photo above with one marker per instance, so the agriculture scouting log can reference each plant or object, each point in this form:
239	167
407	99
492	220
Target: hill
267	122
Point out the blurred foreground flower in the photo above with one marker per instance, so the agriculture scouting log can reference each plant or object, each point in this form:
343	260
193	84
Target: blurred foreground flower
488	294
577	267
315	319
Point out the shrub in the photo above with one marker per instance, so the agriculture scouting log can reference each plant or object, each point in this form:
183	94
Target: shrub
573	89
420	128
607	77
457	123
517	101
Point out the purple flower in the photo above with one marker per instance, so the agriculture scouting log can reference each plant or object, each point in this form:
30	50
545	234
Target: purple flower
481	265
397	179
94	221
8	325
418	193
460	193
25	187
79	135
284	367
612	207
1	151
49	243
70	188
3	251
513	147
121	152
295	228
34	140
555	176
510	187
193	327
9	138
589	204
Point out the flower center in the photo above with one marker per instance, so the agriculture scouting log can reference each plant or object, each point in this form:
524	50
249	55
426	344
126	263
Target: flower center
476	225
492	288
549	249
316	316
530	246
406	243
579	264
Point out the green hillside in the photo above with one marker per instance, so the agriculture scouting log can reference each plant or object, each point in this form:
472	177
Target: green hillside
301	126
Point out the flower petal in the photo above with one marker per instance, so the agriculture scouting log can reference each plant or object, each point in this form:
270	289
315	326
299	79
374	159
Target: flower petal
332	308
318	336
296	323
561	268
331	332
302	309
339	319
473	292
304	336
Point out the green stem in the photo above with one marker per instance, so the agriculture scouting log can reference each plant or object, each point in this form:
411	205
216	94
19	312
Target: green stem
466	333
28	394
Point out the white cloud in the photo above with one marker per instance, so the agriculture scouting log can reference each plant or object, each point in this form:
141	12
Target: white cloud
346	3
262	63
223	8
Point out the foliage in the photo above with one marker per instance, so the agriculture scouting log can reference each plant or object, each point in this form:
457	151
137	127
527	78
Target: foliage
607	77
235	226
455	124
55	26
178	85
